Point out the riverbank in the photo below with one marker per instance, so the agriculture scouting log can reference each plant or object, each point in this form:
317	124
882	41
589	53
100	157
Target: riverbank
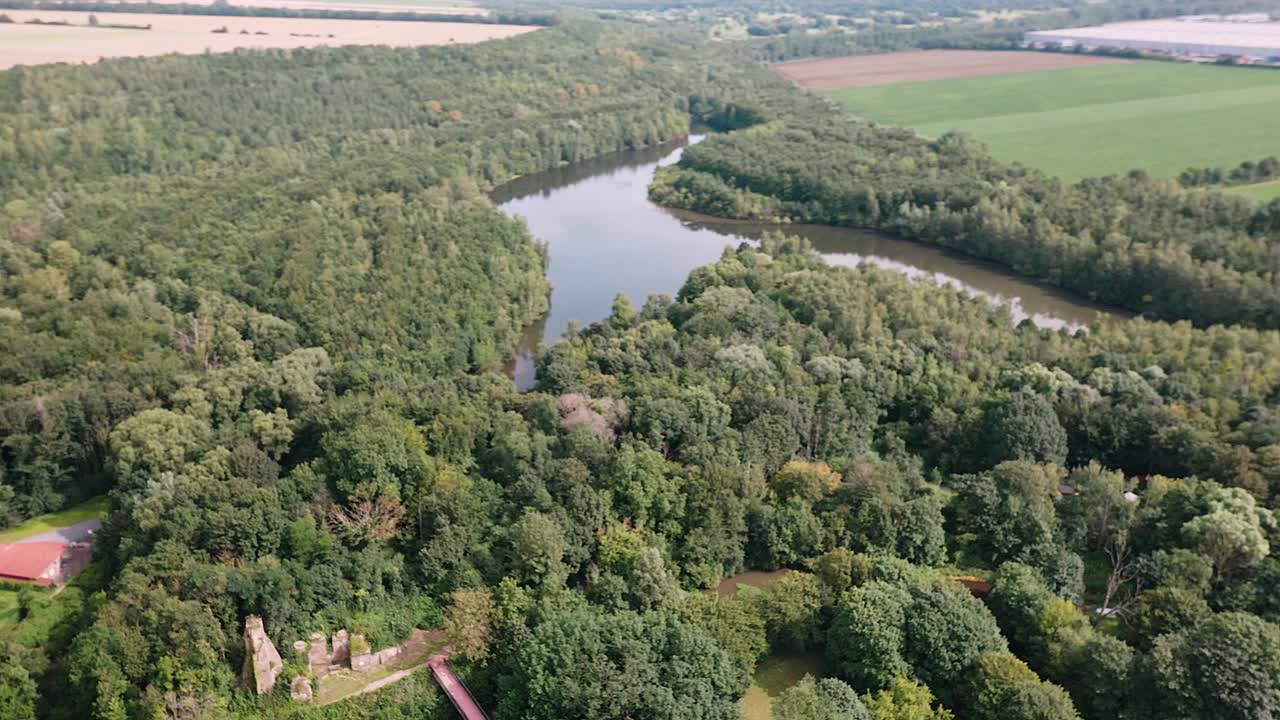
604	236
941	265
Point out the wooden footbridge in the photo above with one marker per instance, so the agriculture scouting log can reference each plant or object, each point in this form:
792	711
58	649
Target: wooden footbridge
454	688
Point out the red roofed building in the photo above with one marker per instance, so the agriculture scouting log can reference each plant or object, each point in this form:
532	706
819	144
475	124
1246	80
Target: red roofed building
41	562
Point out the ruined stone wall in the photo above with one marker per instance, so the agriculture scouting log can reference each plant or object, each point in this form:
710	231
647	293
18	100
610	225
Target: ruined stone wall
363	660
262	662
347	651
341	648
318	657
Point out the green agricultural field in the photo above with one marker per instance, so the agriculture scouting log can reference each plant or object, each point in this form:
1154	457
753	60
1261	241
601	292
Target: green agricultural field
1266	192
1098	120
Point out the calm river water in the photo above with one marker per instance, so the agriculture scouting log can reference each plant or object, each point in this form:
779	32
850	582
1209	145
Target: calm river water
605	237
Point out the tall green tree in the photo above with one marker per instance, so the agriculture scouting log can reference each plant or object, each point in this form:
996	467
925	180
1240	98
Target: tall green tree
584	664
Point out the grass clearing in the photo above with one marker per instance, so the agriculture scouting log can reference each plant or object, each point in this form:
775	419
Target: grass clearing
97	507
1092	121
1097	570
342	684
1263	192
772	677
8	610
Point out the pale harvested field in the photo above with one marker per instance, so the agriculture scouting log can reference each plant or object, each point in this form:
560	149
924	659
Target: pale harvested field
22	44
892	68
361	5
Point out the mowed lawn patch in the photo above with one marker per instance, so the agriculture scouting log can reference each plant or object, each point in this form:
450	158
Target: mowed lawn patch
1264	192
89	510
8	610
1098	120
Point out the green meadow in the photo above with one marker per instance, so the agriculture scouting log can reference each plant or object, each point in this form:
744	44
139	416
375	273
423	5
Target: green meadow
97	507
1100	120
8	609
774	676
1265	192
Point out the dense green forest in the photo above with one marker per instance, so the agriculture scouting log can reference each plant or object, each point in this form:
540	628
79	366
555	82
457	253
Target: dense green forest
194	194
262	301
942	437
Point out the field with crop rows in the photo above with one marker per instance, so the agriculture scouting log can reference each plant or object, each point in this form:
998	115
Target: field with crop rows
1093	120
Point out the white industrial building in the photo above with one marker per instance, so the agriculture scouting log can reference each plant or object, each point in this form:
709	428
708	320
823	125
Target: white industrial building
1192	37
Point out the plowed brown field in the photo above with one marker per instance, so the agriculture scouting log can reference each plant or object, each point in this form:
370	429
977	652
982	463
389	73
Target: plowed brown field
866	70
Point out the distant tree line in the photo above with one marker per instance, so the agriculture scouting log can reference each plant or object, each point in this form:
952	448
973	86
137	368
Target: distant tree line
995	34
910	10
1246	173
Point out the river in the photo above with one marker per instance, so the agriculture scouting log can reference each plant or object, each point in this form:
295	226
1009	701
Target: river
605	237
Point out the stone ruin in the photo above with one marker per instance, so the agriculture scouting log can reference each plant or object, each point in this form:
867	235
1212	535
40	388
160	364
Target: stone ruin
347	651
365	660
300	689
262	663
323	660
341	648
318	657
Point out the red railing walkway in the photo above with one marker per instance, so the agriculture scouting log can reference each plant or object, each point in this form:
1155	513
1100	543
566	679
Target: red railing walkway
453	686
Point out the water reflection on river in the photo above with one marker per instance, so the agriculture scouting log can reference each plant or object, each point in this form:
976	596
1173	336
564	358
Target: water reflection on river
605	237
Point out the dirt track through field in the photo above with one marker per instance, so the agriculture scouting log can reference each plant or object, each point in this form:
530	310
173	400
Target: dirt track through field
888	69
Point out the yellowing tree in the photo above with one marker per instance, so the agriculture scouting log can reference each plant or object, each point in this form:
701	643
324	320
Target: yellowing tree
805	479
